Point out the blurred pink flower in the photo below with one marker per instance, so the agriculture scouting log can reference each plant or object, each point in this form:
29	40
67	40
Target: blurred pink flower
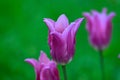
99	26
119	56
61	38
44	68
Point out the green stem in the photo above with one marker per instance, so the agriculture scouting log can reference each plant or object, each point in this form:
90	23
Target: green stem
64	72
102	64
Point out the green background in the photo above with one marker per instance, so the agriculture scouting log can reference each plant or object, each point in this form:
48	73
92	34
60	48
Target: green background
23	34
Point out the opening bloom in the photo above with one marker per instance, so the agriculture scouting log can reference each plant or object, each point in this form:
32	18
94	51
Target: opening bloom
99	27
44	68
61	38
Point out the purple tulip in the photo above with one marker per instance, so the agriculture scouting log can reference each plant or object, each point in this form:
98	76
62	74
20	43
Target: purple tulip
61	38
44	68
99	26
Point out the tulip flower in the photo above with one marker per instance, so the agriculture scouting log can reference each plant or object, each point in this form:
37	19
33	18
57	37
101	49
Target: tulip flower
44	68
99	27
119	56
61	38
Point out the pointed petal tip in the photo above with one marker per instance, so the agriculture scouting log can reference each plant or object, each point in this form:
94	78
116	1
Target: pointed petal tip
45	19
26	60
94	12
43	57
31	61
111	15
104	10
86	14
48	20
42	52
63	15
50	23
79	20
61	23
77	24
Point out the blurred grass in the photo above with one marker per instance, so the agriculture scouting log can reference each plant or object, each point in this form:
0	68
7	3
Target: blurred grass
23	34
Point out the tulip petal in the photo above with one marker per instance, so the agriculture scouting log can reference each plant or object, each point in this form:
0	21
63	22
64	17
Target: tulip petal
71	42
43	58
50	23
58	46
77	24
67	30
73	26
94	13
89	21
87	15
70	36
104	10
47	74
63	19
31	61
55	71
109	27
52	64
111	15
35	64
61	23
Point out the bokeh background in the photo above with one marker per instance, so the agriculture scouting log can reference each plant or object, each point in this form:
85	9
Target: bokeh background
23	34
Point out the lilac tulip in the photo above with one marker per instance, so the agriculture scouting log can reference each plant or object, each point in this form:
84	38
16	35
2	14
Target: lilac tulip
99	26
44	68
61	38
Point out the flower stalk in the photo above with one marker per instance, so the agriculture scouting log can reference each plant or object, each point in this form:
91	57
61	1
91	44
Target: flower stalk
64	72
102	64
